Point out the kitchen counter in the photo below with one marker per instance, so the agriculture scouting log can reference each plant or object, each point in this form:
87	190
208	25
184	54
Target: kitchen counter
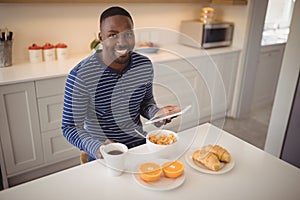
27	71
274	37
255	175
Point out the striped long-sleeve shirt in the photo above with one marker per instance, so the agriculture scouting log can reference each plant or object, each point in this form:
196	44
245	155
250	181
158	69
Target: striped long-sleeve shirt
101	103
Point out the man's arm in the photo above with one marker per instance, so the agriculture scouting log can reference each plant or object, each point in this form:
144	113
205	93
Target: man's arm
76	101
148	106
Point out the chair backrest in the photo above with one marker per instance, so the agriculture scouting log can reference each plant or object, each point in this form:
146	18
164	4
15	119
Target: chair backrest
83	157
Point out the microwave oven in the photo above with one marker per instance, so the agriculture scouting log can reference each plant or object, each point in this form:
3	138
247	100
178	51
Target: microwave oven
200	35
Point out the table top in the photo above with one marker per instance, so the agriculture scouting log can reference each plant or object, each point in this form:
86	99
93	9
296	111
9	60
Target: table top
255	175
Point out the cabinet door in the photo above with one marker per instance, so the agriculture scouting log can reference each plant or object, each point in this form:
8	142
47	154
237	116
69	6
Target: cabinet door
267	74
227	66
20	134
177	83
56	147
50	87
211	89
216	82
50	109
50	105
205	82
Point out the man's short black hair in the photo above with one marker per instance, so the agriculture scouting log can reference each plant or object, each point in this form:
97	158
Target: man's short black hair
112	11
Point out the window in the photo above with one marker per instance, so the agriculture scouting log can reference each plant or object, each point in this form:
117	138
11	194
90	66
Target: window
279	14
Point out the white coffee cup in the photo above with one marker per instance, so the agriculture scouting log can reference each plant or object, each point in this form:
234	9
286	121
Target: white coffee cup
114	155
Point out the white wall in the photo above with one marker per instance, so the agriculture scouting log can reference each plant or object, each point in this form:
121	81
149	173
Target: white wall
285	88
239	15
77	24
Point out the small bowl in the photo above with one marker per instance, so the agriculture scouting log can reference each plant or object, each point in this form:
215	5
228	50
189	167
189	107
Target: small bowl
147	49
162	150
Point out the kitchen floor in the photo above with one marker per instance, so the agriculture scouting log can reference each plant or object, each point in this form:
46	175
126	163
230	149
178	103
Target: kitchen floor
252	129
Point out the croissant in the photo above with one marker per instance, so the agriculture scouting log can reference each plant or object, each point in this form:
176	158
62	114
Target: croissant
206	158
222	154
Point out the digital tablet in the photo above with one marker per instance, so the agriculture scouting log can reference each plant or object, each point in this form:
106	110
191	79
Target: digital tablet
160	118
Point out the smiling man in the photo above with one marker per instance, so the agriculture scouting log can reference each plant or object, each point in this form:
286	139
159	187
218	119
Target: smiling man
117	38
107	92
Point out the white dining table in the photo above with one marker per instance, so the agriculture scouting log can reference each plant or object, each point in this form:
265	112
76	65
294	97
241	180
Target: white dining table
253	174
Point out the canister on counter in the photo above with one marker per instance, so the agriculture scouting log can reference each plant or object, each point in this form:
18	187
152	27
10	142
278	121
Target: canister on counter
61	51
35	53
49	52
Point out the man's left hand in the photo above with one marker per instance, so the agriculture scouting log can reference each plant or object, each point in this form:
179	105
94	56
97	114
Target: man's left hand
167	110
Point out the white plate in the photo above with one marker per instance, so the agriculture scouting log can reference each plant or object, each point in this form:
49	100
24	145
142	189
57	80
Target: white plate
225	167
161	184
157	119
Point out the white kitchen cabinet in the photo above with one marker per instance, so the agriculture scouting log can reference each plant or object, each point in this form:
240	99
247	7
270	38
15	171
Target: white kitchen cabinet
55	145
57	148
31	136
50	104
267	74
217	82
205	82
50	87
50	109
177	87
227	66
20	133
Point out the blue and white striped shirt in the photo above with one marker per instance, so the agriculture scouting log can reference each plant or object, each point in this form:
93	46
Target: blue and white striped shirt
101	103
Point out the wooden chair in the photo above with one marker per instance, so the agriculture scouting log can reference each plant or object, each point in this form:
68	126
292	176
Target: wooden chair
83	157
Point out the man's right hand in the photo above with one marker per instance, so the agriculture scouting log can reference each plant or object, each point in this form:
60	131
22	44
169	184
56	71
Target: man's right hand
107	141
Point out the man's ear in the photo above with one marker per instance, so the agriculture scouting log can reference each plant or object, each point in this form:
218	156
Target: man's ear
100	36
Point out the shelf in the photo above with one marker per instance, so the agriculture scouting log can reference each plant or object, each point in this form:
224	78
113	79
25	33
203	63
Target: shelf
229	2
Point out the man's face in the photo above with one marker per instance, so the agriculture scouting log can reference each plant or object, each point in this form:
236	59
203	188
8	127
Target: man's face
117	39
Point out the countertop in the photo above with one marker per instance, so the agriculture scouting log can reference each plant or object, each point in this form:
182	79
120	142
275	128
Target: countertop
22	72
274	37
255	175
